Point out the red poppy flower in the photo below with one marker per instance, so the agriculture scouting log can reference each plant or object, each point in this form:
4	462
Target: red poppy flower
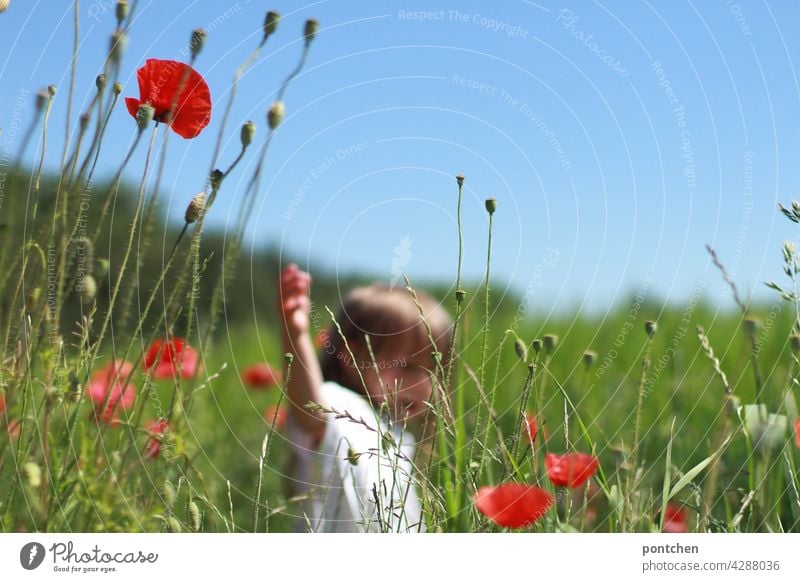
570	470
159	84
321	339
513	504
167	359
531	427
2	403
797	433
276	413
13	429
675	519
110	387
157	428
261	375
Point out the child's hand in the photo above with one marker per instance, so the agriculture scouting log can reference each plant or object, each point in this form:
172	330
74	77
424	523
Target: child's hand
294	303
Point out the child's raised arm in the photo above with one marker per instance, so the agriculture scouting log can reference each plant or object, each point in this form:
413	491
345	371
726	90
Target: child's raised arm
305	379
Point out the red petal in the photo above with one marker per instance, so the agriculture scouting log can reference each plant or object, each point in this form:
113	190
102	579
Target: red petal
570	470
133	106
797	433
513	504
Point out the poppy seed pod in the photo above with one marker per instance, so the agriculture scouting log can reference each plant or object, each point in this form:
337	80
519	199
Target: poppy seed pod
172	525
795	343
310	30
196	206
144	116
271	23
116	88
248	132
117	45
100	81
589	356
122	10
550	342
85	118
197	41
536	345
275	115
650	328
491	205
51	90
460	180
460	294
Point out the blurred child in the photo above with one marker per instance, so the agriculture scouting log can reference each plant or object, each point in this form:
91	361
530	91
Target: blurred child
356	464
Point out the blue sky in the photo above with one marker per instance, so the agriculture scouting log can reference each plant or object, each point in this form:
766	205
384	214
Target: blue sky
618	138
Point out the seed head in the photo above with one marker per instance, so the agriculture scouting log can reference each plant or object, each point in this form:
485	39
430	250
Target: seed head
460	294
522	351
51	90
215	179
650	328
197	41
536	345
168	493
172	525
88	289
101	268
116	88
795	342
460	180
550	342
589	356
275	115
122	11
248	131
491	205
75	389
100	81
196	206
193	516
271	23
310	30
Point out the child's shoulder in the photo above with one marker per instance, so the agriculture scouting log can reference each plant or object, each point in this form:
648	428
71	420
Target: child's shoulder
344	400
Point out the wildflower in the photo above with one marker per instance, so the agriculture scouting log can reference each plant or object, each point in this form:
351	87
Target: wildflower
570	470
156	428
675	519
170	358
277	414
532	426
513	504
110	387
261	376
159	84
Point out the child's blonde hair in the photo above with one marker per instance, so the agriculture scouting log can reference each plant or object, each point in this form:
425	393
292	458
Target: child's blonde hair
385	314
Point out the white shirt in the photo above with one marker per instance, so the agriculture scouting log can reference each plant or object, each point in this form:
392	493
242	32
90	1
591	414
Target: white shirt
352	464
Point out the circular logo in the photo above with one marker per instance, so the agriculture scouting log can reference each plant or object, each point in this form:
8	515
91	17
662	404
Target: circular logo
31	555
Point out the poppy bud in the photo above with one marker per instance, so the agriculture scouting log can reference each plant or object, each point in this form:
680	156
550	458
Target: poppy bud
74	390
33	474
119	41
116	88
650	328
196	206
536	345
491	205
197	41
168	493
100	81
84	121
51	90
352	456
215	179
41	99
795	341
312	25
460	180
4	5
144	116
101	269
589	357
193	516
248	131
522	351
549	342
271	23
275	115
88	289
460	294
122	11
